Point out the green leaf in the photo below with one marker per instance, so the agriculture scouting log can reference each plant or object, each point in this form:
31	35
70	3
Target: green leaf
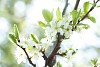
92	19
94	61
12	38
86	7
58	64
58	14
48	16
94	5
16	31
78	14
75	15
34	38
98	6
41	24
85	26
74	52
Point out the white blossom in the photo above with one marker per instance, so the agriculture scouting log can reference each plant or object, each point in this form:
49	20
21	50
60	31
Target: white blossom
47	44
36	56
20	55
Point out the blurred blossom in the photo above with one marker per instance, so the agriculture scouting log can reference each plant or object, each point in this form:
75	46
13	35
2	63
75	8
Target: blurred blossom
4	28
19	8
90	54
4	25
83	57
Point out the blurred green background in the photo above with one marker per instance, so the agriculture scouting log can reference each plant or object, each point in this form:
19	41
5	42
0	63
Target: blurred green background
22	13
11	12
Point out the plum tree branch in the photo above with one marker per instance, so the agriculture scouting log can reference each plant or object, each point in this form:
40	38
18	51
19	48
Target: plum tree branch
76	5
86	15
65	8
51	57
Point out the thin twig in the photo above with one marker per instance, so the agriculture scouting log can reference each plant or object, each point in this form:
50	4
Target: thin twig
93	1
44	56
65	8
86	15
62	54
76	5
95	66
29	59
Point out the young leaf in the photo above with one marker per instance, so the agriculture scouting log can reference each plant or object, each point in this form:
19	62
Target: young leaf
94	61
92	19
98	6
85	26
34	38
12	38
41	24
58	64
16	31
86	7
47	15
78	14
94	4
75	15
58	14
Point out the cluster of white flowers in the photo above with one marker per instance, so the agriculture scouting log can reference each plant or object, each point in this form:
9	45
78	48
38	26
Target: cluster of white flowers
56	37
45	44
36	46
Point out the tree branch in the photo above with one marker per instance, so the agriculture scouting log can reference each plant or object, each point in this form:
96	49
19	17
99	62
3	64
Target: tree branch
86	15
76	5
29	59
95	66
55	50
64	10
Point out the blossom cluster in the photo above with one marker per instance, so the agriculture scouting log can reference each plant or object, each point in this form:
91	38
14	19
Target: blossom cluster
35	47
57	32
